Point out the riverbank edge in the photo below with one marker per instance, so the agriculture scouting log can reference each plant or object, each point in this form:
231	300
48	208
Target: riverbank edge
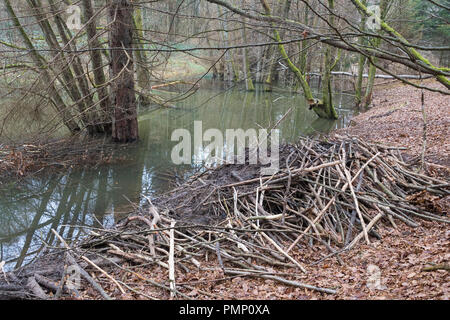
396	118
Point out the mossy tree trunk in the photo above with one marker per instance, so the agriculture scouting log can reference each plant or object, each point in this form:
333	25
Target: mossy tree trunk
330	62
269	58
273	73
413	53
322	110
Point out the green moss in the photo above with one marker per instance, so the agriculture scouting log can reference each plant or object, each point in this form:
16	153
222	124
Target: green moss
413	52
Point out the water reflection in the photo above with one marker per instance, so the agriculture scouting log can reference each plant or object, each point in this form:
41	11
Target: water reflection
103	195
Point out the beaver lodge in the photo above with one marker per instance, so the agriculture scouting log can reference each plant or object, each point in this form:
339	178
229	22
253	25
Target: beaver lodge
332	195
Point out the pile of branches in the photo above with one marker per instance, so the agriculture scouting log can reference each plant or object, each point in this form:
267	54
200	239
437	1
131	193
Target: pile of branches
31	158
329	194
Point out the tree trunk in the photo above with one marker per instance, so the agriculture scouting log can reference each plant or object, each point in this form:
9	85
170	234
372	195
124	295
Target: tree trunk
97	64
143	79
245	61
269	60
60	59
274	74
323	111
125	125
41	63
143	76
328	109
367	100
361	63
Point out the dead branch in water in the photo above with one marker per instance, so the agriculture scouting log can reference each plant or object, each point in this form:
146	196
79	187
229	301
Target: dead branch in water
27	159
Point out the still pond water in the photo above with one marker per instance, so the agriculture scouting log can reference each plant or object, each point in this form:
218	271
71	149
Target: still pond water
90	197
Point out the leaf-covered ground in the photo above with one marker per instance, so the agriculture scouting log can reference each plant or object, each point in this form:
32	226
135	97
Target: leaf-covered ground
395	118
391	268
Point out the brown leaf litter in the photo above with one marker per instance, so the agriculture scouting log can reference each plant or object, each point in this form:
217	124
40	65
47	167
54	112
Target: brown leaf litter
395	118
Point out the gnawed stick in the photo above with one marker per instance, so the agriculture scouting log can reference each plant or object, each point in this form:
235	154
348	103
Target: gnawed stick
104	272
279	248
219	257
324	210
60	288
355	199
156	218
283	176
2	264
83	272
369	226
46	282
282	280
442	266
54	286
136	257
85	259
88	278
172	260
36	288
271	217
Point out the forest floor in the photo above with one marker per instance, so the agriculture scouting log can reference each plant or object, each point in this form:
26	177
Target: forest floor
395	118
399	259
395	264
